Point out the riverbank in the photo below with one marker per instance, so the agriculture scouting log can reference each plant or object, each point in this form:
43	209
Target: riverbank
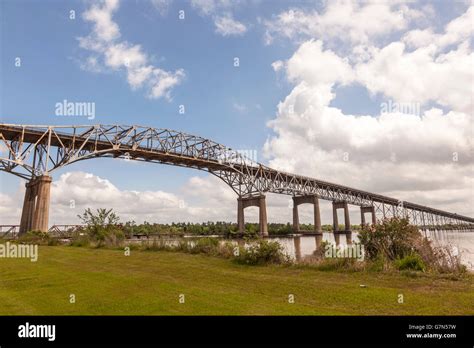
106	282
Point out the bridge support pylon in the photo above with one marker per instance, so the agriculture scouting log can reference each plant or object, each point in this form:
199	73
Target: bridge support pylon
297	245
347	222
35	213
256	201
363	211
311	199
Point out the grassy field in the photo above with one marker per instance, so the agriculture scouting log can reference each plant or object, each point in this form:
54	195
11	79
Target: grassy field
150	283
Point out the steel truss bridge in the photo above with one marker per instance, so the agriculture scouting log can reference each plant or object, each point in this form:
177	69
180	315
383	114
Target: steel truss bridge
32	152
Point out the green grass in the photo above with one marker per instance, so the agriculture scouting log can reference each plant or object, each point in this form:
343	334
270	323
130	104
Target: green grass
149	283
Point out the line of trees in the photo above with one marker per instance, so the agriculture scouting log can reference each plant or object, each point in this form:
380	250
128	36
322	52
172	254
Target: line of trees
215	228
104	218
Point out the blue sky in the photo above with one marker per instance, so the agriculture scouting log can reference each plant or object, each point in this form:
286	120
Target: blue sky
45	39
234	105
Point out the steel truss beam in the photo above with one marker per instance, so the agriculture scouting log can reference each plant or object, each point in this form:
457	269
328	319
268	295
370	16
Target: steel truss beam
29	151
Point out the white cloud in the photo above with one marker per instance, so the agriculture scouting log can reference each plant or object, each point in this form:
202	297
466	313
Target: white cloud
105	29
422	76
239	107
278	65
457	31
201	199
314	65
356	22
162	81
9	207
198	200
221	13
419	37
403	155
227	26
111	53
162	6
211	7
91	64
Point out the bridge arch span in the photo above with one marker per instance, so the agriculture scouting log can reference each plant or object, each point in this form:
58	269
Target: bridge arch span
34	151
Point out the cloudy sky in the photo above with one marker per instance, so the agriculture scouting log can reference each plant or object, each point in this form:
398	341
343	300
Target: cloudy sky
377	95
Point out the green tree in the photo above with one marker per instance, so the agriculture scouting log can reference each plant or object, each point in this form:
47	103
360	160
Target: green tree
99	224
391	238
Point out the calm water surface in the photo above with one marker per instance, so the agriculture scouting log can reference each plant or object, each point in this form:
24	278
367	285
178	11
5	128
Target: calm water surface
461	241
299	246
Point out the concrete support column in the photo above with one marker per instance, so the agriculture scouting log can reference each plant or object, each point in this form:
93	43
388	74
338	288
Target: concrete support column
262	216
35	214
41	217
297	244
240	216
28	207
296	220
363	211
347	221
311	199
318	239
335	222
259	201
337	239
349	238
317	216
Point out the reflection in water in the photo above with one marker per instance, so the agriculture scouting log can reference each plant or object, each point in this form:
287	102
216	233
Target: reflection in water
462	241
301	246
349	238
297	242
318	238
337	238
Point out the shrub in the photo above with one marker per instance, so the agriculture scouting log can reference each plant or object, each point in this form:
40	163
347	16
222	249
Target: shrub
226	250
411	262
34	237
183	245
81	241
378	264
320	252
447	261
113	238
392	238
157	245
204	246
101	228
262	252
53	241
396	241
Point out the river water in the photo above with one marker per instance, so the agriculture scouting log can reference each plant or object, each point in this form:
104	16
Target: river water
300	246
462	242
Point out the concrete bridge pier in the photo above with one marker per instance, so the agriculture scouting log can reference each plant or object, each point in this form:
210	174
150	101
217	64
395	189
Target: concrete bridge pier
347	222
35	213
363	211
256	201
349	238
311	199
297	244
318	240
337	238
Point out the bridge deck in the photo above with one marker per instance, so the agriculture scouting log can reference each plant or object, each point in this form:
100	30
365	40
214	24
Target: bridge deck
180	149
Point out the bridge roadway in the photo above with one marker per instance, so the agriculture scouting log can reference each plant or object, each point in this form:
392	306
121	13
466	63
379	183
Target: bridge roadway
33	152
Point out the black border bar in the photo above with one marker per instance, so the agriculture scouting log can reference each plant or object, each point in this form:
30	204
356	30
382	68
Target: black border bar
242	330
